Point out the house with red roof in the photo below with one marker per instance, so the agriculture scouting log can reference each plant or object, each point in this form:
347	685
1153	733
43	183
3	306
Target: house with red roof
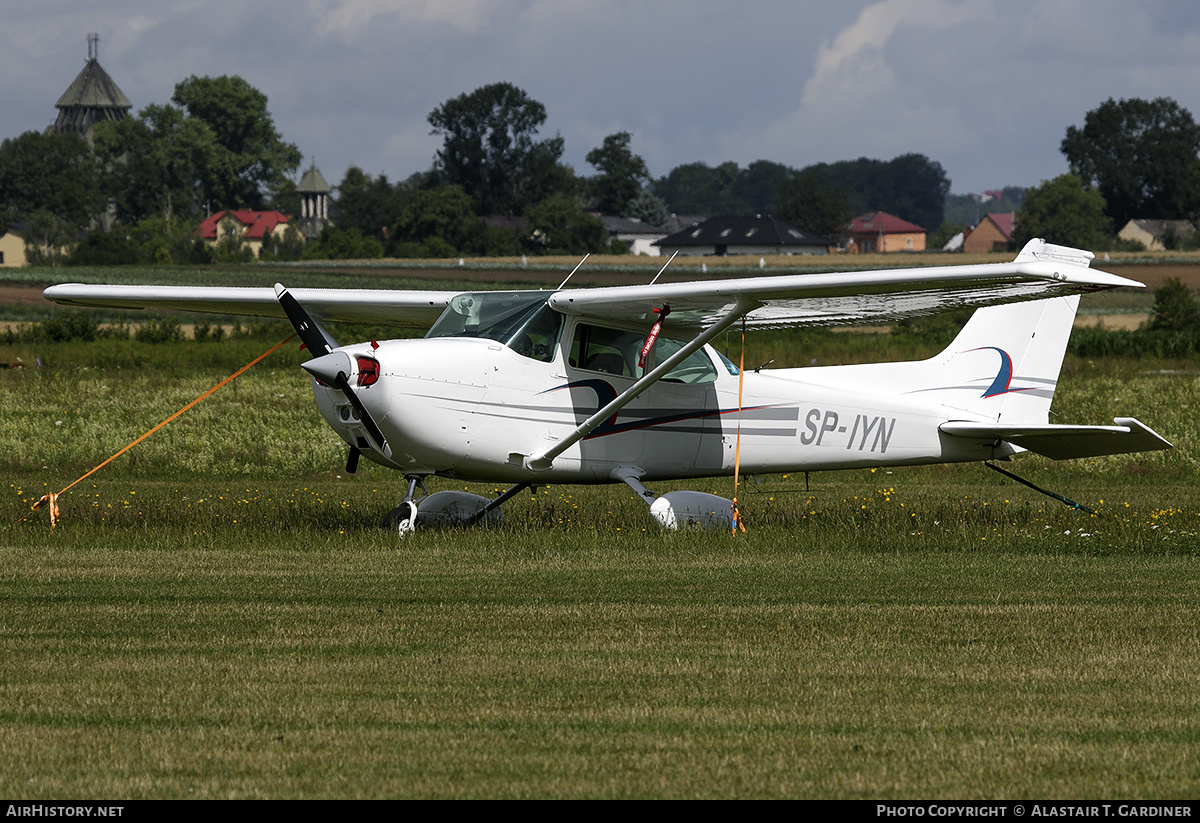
251	227
992	234
878	231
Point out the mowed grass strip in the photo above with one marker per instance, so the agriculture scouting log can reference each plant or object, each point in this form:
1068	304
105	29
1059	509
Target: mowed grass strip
588	660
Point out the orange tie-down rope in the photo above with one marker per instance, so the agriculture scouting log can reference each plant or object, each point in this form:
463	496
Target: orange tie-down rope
737	449
52	498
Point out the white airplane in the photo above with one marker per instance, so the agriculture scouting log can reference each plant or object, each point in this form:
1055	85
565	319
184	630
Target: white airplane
619	384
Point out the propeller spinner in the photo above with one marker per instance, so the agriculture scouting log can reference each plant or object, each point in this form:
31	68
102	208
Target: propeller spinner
327	365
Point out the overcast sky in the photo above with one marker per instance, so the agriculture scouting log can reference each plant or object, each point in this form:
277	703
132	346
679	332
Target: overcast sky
985	87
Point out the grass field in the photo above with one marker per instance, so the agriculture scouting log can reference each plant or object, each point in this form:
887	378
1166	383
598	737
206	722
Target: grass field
219	615
143	661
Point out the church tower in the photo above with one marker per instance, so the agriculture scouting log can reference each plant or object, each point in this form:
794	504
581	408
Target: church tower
314	203
91	98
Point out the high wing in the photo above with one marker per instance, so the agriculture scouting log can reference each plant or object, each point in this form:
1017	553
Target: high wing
416	309
1039	271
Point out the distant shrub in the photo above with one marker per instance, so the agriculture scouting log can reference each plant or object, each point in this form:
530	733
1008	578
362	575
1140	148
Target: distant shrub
103	249
343	244
1100	342
1175	308
501	243
260	331
202	330
1128	245
159	331
201	254
66	325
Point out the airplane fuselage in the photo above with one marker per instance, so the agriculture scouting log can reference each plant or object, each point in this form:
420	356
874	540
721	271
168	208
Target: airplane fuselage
474	409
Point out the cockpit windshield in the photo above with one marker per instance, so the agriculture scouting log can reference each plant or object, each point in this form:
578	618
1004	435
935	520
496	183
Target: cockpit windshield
520	320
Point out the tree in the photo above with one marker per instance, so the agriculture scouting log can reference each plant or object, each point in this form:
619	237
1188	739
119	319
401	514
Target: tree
1062	211
104	249
757	186
919	189
649	208
489	149
1175	308
343	244
697	188
52	238
1142	157
370	205
217	147
910	186
151	163
160	241
622	174
443	213
559	225
54	173
250	156
289	246
808	203
943	234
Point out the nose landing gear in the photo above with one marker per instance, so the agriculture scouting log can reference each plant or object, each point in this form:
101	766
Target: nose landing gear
444	508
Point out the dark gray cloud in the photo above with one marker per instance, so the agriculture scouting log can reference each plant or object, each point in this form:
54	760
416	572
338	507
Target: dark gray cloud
985	87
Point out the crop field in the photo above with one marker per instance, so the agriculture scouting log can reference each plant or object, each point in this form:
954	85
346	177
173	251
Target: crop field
218	613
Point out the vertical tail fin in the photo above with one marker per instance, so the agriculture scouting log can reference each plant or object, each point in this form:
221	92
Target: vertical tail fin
1004	364
1001	368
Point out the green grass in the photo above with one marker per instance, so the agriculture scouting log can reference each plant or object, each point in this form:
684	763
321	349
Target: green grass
530	663
218	614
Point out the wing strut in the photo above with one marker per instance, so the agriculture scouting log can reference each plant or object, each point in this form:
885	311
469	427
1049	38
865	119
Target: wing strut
543	460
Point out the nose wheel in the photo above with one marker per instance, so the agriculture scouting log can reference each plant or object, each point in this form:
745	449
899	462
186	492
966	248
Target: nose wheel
403	518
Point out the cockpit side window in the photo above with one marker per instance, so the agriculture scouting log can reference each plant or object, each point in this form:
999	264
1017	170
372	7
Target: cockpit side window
594	348
538	335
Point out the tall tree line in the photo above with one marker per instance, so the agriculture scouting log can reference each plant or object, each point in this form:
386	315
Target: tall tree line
497	186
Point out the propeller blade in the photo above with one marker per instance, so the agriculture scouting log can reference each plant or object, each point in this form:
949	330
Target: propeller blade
352	460
315	339
329	366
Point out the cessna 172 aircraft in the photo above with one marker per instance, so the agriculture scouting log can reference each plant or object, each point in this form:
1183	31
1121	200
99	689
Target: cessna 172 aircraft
619	384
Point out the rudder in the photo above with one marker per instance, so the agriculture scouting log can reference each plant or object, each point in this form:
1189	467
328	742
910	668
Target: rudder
1004	364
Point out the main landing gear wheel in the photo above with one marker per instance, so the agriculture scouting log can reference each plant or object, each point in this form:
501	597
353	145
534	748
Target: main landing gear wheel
446	509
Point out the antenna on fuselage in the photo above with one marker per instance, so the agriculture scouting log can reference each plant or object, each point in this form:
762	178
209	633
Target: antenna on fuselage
664	268
585	257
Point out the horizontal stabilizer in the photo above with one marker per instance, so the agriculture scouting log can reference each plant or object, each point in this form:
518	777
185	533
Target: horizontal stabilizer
1066	442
